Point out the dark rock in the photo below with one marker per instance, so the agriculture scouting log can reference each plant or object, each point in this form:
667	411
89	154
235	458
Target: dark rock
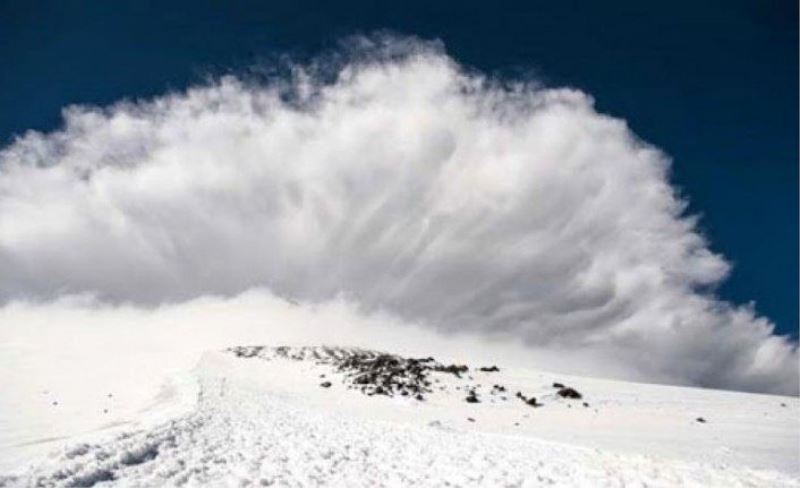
490	369
374	373
558	385
248	351
532	402
701	420
471	419
452	369
568	392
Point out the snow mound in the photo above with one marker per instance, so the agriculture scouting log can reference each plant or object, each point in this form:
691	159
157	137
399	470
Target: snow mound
314	417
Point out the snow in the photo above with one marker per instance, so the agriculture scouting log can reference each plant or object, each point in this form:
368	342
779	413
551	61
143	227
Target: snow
54	395
266	421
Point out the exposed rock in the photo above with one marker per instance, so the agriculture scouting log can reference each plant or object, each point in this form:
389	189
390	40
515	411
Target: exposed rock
571	393
452	369
375	373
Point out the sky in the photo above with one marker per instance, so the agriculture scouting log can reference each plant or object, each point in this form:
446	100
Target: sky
627	174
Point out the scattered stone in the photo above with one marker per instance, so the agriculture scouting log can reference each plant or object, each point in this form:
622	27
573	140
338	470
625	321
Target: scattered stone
528	401
375	373
701	420
251	351
568	392
452	369
585	404
558	385
783	405
471	419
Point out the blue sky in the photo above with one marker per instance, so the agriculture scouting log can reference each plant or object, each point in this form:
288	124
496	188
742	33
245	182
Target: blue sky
713	85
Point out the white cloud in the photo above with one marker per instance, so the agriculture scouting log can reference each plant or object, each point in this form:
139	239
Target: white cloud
407	184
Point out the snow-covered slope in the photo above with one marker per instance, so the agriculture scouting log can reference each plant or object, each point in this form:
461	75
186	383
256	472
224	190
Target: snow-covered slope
317	416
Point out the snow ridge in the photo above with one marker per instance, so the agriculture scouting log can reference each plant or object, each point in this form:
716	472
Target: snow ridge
244	434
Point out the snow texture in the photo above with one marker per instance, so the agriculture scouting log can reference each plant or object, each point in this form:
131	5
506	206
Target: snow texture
262	419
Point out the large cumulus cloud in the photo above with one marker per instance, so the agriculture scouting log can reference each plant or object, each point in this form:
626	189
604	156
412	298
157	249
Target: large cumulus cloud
400	181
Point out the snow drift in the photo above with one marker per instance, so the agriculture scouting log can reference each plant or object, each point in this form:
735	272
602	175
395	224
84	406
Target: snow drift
391	176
